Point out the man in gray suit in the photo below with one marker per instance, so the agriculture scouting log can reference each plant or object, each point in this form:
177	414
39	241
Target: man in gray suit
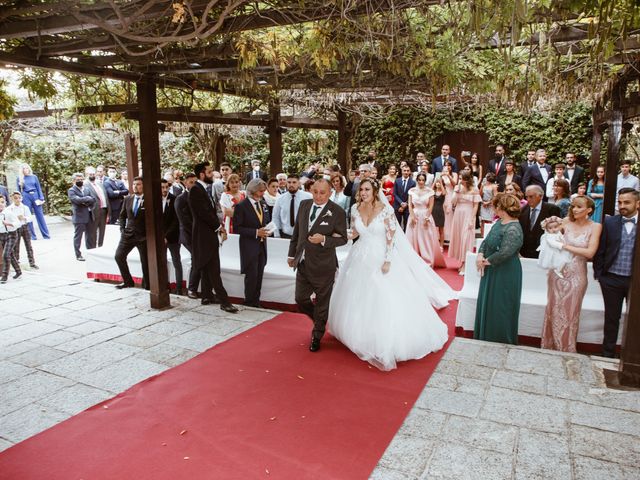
320	228
100	208
81	213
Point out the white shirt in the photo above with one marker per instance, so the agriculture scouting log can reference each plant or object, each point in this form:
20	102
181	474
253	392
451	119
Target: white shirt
281	216
570	172
20	210
11	218
543	172
165	200
629	226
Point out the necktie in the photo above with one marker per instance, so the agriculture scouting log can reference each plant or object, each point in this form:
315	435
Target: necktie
313	214
498	167
532	218
404	184
136	204
627	220
258	211
292	211
255	174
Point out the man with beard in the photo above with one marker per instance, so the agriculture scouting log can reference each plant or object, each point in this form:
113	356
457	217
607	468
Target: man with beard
497	164
574	173
285	211
206	228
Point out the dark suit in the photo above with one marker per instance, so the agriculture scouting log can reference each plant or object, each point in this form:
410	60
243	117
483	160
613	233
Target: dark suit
250	176
401	195
5	193
132	235
524	166
501	181
183	212
177	189
253	249
578	178
171	232
532	235
205	244
493	164
116	191
533	177
100	214
81	216
615	288
317	271
437	164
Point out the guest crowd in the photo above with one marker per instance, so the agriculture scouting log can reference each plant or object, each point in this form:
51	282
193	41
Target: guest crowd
525	209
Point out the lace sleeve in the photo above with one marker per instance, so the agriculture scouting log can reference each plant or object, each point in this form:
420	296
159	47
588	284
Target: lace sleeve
390	226
511	243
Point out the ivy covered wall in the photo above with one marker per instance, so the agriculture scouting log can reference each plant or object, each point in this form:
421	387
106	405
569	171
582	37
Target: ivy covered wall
402	132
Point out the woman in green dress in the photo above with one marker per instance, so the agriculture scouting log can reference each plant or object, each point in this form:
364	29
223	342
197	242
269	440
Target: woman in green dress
498	262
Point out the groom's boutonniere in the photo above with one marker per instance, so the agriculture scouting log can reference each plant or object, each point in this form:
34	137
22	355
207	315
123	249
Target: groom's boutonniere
328	214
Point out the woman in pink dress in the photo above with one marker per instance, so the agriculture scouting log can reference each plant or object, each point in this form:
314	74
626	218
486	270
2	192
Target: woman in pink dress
565	292
449	180
422	232
466	199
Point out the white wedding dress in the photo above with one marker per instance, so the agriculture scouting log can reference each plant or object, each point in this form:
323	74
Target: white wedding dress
386	318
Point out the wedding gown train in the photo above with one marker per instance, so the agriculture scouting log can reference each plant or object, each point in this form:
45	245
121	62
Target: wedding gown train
386	318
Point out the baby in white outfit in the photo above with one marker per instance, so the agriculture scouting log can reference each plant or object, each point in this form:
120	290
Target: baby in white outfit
552	255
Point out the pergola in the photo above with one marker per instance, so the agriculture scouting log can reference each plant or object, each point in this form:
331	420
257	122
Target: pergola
193	45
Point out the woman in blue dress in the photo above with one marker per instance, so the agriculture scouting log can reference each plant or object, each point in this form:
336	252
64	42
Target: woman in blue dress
596	192
32	197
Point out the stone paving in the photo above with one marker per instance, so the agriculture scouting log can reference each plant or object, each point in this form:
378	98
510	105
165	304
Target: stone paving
489	411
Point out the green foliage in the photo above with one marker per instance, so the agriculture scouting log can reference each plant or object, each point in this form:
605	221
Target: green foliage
39	84
7	102
402	132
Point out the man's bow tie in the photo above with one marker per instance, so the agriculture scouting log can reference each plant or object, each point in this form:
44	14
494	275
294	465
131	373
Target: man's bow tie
627	220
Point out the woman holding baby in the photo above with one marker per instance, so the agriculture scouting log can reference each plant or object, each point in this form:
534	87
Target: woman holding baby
568	284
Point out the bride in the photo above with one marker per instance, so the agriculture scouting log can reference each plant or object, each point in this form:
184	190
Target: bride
382	302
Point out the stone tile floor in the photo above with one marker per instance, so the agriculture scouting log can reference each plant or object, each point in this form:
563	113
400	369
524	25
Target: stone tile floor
489	411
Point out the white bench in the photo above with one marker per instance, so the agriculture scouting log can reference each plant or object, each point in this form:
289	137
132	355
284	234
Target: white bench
534	302
278	286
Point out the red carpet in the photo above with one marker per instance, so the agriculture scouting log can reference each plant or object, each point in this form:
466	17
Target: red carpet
257	406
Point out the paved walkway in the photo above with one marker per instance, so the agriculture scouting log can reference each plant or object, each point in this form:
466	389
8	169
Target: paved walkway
490	411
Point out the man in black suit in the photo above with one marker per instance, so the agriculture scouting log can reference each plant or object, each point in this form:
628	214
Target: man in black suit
116	191
528	162
178	183
183	212
530	218
133	234
401	196
613	263
497	164
574	173
321	227
4	193
250	218
256	172
205	246
81	214
539	173
171	231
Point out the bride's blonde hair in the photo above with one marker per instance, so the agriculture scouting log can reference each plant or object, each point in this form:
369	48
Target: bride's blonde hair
375	186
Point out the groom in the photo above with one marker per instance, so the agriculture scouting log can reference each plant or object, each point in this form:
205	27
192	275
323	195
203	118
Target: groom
320	227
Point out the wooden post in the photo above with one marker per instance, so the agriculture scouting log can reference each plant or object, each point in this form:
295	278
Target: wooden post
344	142
132	158
629	372
221	148
613	154
275	139
150	152
596	145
